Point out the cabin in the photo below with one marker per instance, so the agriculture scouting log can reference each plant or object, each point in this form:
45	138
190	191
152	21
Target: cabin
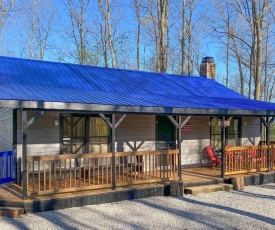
78	127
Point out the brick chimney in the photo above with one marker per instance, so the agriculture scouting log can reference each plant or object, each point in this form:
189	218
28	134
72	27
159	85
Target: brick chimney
208	67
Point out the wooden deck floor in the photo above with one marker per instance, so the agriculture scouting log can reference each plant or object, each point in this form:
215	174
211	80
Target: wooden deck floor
13	193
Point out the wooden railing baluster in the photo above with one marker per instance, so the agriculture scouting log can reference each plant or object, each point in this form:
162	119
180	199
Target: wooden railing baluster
73	172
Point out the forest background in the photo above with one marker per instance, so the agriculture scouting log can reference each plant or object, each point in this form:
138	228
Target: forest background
169	36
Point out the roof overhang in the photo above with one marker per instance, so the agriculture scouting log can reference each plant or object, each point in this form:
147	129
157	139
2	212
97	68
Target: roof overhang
98	108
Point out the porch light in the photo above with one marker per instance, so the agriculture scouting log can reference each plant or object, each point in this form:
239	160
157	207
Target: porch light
244	123
56	122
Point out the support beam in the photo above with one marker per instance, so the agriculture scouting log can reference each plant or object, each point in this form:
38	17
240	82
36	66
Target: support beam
24	152
113	151
267	142
113	125
87	134
223	146
178	126
106	119
120	120
267	122
179	147
263	121
34	118
14	143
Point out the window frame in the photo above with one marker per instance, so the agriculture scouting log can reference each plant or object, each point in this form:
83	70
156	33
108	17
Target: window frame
239	135
86	131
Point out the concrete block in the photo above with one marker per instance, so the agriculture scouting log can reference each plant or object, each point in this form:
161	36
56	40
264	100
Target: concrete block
84	200
238	183
56	204
11	212
256	179
208	188
176	188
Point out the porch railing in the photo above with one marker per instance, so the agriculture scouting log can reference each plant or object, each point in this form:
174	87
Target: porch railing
244	159
75	172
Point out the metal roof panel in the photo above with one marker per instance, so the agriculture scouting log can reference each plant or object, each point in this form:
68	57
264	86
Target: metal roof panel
32	80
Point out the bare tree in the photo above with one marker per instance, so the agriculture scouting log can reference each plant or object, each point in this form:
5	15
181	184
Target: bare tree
39	23
6	8
78	30
241	28
163	8
105	10
137	7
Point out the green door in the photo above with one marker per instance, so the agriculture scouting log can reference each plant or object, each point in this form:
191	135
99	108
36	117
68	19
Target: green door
165	133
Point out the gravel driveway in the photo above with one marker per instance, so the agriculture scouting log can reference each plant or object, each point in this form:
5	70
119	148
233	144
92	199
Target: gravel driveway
253	208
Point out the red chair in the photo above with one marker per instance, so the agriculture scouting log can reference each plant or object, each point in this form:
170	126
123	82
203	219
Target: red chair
214	158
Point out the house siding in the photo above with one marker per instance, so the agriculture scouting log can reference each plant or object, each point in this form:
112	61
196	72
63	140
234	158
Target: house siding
42	136
6	129
251	132
194	141
136	133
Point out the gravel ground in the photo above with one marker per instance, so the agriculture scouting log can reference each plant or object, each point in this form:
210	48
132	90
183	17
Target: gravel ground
253	208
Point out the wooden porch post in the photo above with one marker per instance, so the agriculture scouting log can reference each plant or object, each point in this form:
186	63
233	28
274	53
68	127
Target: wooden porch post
267	123
179	147
267	131
179	126
24	152
113	125
223	147
113	151
14	125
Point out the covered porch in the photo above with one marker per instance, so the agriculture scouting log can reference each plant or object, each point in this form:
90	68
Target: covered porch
88	171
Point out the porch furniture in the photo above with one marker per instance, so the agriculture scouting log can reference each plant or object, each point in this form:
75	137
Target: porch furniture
210	153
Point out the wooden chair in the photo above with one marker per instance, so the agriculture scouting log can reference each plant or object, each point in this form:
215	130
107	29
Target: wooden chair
215	159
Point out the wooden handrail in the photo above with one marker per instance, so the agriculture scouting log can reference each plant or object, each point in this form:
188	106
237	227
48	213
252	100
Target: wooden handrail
235	148
100	155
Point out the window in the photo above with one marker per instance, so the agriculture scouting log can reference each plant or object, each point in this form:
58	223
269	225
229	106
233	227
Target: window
99	135
82	134
232	133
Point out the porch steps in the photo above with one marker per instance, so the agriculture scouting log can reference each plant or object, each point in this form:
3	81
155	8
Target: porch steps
11	212
208	188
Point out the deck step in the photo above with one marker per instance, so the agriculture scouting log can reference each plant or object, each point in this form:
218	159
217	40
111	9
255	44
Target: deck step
208	188
11	212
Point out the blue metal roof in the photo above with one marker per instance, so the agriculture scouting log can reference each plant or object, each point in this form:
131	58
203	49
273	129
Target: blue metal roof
32	80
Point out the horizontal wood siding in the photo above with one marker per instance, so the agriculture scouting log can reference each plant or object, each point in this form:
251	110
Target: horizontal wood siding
6	129
43	136
194	141
251	131
136	133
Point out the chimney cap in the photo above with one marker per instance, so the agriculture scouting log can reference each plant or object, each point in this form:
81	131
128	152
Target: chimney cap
207	59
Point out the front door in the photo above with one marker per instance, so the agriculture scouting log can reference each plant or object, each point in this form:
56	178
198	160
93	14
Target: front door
73	135
165	133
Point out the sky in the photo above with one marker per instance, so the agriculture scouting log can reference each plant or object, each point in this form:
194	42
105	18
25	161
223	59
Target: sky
209	48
